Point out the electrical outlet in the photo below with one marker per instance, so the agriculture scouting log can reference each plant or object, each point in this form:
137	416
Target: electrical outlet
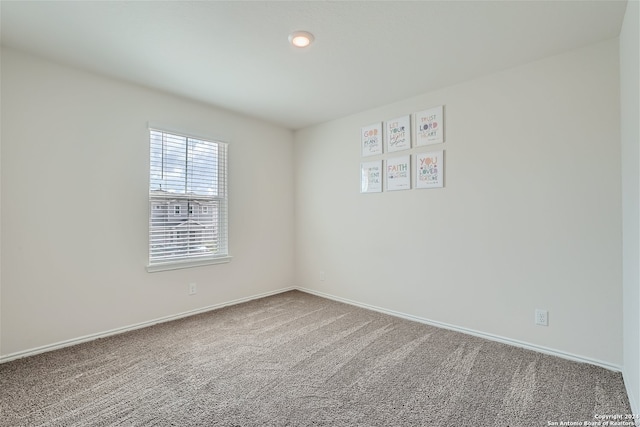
322	276
542	317
192	289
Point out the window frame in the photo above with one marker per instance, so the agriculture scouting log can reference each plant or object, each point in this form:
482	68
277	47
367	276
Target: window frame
174	200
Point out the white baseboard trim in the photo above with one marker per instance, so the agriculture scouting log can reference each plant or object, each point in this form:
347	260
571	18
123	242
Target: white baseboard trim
633	401
521	344
492	337
91	337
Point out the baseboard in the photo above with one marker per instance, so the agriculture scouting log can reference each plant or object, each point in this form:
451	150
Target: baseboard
633	402
509	341
91	337
521	344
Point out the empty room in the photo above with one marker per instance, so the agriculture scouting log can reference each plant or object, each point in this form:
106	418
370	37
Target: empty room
305	213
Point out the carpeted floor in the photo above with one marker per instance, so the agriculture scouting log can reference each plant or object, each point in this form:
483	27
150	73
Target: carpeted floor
299	360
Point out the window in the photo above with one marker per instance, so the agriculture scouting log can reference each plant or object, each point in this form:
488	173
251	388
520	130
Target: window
186	171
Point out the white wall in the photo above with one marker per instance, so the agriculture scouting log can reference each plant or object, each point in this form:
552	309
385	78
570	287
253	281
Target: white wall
630	137
75	150
530	216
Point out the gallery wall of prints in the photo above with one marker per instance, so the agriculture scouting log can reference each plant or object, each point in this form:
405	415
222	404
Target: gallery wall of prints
391	149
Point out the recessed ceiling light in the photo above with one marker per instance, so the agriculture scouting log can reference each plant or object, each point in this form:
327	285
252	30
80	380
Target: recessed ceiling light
300	38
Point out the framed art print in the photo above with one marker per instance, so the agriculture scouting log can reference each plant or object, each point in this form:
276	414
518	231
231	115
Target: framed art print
371	139
430	169
371	177
398	134
398	172
429	126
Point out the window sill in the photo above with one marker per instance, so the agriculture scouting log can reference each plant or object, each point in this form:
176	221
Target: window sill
176	265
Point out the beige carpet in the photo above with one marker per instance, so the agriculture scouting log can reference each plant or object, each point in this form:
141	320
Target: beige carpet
299	360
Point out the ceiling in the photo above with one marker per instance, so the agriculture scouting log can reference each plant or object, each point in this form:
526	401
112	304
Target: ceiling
235	54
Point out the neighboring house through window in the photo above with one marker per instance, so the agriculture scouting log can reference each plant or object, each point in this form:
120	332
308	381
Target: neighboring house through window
188	201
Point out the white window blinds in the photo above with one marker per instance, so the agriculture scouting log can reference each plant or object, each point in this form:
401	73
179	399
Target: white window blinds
187	200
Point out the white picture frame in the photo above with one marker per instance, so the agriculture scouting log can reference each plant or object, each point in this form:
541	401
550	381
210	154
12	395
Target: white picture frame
371	177
371	139
398	173
398	134
430	169
429	126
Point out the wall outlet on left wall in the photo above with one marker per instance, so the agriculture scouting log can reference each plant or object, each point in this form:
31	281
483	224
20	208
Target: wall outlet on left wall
192	289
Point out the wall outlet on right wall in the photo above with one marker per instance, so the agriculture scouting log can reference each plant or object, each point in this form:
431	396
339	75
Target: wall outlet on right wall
542	317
